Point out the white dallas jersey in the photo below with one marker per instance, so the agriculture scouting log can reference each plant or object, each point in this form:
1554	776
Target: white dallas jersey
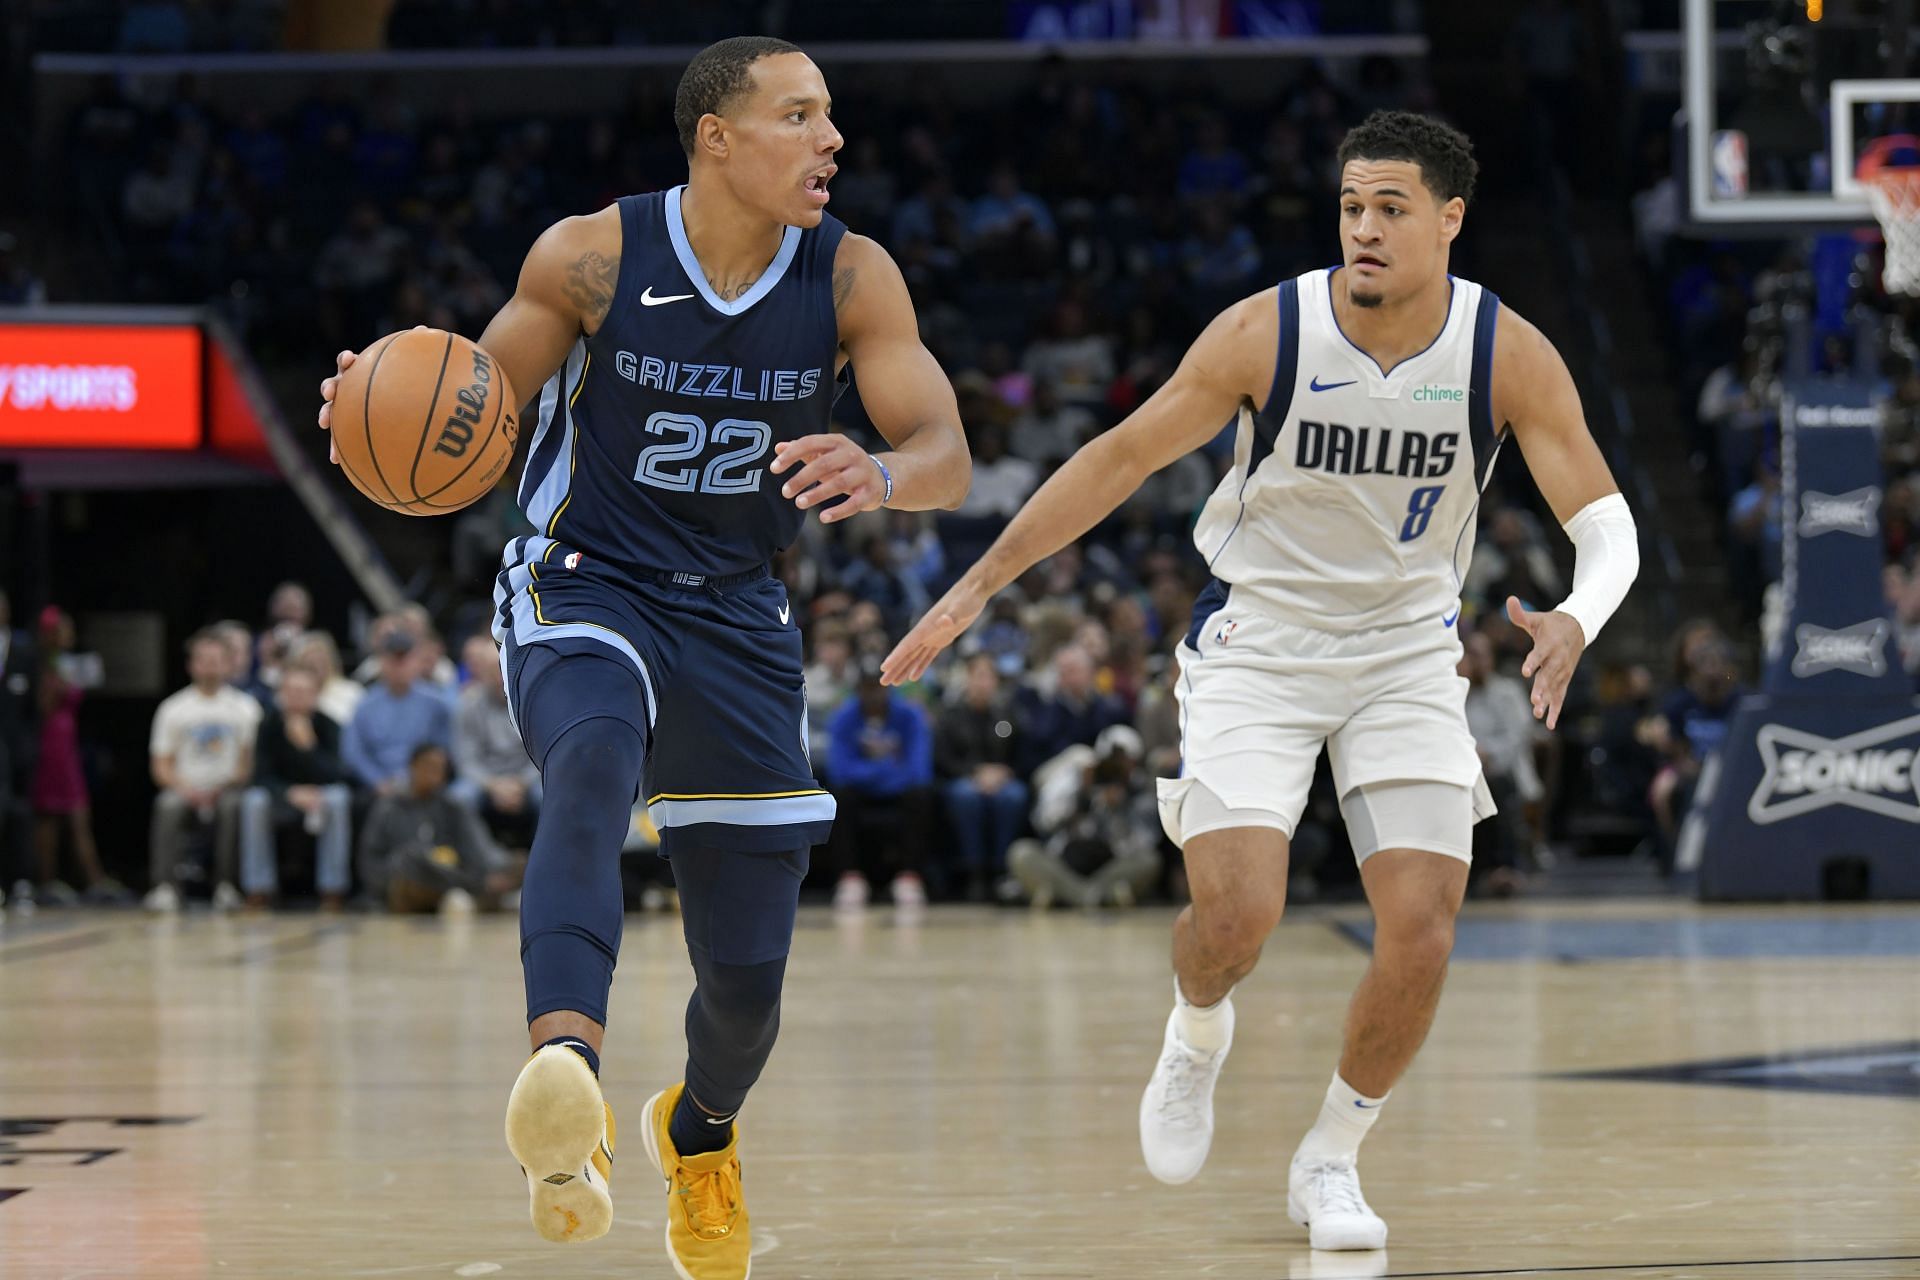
1353	493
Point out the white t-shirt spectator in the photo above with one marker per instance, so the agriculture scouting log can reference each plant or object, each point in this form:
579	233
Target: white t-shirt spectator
205	736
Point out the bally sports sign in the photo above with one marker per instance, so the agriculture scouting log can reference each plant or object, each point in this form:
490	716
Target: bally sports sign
1877	770
100	386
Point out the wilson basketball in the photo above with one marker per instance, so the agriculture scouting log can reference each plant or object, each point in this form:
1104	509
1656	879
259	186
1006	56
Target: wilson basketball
424	421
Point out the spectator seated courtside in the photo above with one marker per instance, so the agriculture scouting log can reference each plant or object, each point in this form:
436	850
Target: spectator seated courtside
300	783
421	851
201	754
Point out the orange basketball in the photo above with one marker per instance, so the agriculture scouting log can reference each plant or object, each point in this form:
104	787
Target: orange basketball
424	421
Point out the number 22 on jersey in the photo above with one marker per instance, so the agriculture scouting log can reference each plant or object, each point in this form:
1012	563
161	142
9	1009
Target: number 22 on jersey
661	465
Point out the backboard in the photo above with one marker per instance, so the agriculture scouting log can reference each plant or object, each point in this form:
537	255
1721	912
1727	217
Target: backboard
1781	98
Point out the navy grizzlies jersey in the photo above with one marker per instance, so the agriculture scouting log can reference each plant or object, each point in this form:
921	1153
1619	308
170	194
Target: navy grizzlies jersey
653	442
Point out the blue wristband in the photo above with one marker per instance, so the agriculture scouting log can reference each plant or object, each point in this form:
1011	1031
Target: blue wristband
885	475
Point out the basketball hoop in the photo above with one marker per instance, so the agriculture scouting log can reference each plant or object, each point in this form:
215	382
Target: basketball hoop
1890	170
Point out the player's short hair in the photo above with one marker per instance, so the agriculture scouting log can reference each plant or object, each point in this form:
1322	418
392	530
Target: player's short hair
717	75
1444	154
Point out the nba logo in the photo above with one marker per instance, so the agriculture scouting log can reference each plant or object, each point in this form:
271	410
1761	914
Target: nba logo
573	560
1225	633
1728	156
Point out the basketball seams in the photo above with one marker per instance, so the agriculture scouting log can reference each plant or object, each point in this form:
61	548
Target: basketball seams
499	411
433	413
366	417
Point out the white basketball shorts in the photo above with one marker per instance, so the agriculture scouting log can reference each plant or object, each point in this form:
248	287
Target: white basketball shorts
1259	697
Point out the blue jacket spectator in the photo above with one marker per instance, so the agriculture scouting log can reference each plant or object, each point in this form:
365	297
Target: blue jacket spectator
881	743
397	716
880	766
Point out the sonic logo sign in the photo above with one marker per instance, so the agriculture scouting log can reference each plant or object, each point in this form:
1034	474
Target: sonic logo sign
1877	770
1856	511
1860	649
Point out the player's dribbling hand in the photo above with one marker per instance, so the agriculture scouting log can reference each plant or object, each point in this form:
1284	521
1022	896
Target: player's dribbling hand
328	388
942	625
331	385
1558	643
830	466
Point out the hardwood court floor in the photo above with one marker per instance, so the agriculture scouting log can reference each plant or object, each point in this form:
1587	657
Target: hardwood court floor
297	1096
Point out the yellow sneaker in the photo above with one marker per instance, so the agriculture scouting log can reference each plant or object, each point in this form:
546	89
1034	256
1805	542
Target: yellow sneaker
708	1237
561	1131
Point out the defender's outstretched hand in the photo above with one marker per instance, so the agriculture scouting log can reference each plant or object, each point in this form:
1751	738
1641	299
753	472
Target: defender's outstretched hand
1558	643
943	624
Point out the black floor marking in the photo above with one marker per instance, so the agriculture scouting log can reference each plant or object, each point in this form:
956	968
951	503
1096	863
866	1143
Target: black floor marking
276	947
1887	1070
1642	1266
53	946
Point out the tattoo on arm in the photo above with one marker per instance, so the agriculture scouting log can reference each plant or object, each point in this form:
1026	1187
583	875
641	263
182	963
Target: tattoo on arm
842	287
589	284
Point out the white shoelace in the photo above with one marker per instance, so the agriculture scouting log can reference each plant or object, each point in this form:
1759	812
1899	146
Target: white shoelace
1188	1078
1336	1188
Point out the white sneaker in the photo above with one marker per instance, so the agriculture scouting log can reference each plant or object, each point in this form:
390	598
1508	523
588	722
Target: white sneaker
1176	1112
851	893
163	898
226	897
1324	1197
458	902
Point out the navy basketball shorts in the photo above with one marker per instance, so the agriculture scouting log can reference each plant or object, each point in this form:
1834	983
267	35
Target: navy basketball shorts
718	666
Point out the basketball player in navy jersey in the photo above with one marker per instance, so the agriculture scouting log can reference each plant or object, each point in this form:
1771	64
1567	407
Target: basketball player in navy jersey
690	345
1371	399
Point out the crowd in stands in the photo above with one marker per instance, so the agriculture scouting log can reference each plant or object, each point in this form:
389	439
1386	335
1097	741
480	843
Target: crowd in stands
1021	771
1062	250
1735	310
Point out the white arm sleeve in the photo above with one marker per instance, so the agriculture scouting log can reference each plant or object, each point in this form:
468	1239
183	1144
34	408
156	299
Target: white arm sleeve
1606	556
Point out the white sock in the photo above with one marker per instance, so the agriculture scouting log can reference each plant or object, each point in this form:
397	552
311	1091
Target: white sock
1207	1027
1345	1117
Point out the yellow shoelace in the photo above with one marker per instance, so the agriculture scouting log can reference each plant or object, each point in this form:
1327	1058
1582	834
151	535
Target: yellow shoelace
712	1200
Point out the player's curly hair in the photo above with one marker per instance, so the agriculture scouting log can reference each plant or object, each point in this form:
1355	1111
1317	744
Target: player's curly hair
717	75
1444	154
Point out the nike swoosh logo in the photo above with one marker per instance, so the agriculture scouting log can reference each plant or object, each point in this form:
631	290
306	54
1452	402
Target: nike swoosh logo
1364	1107
719	1119
648	300
1451	618
786	612
1314	384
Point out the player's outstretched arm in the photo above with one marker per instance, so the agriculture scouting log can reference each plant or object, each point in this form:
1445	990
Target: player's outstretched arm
904	392
1534	394
1229	364
565	288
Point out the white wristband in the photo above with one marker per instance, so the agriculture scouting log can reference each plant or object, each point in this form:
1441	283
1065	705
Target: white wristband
1606	557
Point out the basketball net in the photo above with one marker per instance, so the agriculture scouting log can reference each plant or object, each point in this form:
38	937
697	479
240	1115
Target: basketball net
1890	170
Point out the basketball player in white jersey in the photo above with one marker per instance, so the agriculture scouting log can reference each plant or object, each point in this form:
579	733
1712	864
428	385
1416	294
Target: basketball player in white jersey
1371	399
